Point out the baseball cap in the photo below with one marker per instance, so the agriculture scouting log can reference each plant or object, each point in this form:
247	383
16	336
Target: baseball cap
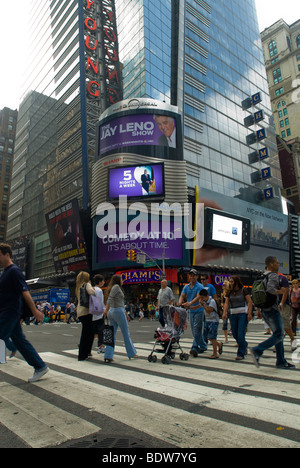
194	272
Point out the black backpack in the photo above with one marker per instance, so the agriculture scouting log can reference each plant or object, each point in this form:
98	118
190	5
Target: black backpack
260	297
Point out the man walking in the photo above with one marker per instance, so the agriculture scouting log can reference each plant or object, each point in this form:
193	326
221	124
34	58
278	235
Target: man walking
13	289
273	318
189	293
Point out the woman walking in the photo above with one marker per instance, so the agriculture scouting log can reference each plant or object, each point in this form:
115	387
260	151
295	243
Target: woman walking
83	315
115	311
295	303
239	301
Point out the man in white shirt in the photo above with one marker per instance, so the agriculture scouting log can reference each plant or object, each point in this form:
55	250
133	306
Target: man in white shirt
165	297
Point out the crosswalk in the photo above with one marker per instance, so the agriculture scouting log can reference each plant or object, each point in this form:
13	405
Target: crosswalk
187	404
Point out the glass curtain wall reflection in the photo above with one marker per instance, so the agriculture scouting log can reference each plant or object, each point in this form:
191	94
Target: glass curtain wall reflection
214	50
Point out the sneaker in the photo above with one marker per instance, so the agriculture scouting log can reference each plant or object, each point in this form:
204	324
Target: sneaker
255	358
38	374
286	365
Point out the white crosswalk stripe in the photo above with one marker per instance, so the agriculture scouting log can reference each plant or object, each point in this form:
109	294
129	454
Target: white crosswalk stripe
191	404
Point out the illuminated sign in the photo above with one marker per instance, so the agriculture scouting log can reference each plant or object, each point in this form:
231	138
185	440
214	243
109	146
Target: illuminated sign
102	57
145	181
146	276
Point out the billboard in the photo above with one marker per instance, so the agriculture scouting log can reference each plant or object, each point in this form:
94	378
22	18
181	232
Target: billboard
136	130
149	236
269	235
136	181
145	127
66	238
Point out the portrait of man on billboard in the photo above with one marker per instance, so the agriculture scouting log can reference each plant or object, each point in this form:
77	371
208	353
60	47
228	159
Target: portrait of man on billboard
167	126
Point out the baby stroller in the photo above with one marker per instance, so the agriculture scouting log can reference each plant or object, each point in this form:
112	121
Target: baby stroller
169	336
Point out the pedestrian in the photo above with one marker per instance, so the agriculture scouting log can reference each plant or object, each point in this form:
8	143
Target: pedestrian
285	309
209	287
211	323
165	297
115	311
86	319
98	320
72	314
13	289
190	300
272	317
295	304
141	312
225	289
238	300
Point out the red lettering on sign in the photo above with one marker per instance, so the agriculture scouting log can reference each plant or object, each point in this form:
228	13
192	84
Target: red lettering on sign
89	45
94	24
89	4
90	63
113	75
90	89
113	99
113	57
110	34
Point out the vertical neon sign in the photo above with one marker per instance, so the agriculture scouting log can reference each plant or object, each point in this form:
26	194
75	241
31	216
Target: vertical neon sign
101	52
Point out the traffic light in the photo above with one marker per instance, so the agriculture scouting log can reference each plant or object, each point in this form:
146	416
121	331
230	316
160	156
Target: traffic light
131	255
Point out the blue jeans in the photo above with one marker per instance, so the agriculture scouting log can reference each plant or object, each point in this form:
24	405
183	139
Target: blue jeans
197	323
239	323
274	320
11	328
117	318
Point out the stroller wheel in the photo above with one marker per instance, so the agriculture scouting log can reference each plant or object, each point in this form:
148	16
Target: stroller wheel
184	357
152	358
166	360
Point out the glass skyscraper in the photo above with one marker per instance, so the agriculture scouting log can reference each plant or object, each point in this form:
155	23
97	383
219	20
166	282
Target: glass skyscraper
203	56
206	58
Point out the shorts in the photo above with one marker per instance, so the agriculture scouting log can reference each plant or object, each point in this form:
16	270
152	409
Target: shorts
211	330
286	314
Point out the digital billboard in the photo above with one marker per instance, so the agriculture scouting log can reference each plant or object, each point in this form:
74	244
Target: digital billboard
136	130
136	181
151	237
141	126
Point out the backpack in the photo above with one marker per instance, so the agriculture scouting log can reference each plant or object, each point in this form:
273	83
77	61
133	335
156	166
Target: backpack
260	297
84	297
96	306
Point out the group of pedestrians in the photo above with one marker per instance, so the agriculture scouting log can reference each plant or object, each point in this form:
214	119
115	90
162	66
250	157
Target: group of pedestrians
204	317
198	298
112	307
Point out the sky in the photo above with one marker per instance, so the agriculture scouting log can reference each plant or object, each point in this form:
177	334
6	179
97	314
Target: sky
14	17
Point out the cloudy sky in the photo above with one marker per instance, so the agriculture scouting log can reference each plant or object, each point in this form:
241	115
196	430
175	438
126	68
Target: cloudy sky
14	17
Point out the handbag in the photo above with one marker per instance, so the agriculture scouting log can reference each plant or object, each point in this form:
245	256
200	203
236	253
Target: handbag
84	297
108	335
96	306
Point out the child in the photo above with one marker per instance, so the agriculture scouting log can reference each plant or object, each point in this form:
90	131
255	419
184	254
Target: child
211	322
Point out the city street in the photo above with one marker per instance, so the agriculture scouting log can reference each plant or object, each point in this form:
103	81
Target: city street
199	403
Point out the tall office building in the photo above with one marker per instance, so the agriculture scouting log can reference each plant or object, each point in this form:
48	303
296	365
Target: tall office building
281	46
8	123
203	58
71	78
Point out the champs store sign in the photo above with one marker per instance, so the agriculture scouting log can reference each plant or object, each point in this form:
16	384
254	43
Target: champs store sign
146	276
101	51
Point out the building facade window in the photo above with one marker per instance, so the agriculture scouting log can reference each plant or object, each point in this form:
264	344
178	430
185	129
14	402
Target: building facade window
277	76
298	41
279	91
273	49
